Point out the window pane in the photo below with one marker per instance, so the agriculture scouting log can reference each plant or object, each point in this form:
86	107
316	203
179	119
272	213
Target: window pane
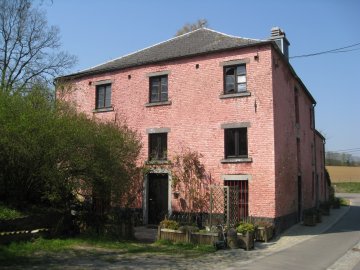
154	97
229	84
154	89
100	97
108	96
241	79
164	146
158	146
243	148
230	71
155	93
164	96
241	70
164	81
241	87
229	143
164	88
236	143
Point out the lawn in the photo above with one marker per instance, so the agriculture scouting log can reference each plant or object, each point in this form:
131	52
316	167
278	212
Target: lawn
347	187
43	250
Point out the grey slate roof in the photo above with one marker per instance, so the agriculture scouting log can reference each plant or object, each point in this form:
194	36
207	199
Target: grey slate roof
193	43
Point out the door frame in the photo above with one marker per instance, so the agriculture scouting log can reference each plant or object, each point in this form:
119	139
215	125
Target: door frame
145	198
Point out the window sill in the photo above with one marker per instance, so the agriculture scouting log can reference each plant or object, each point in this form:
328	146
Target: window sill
162	103
157	162
235	95
236	160
110	109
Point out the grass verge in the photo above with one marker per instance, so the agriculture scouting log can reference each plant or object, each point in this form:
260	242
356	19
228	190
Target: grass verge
43	249
347	187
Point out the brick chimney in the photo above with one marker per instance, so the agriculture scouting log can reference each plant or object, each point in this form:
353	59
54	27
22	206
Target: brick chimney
280	39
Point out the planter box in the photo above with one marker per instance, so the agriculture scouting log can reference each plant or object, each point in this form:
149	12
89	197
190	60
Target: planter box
173	235
264	233
318	217
325	210
246	241
207	238
201	238
310	220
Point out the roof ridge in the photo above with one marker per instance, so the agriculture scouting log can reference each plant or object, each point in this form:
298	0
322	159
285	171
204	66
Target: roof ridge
232	36
126	55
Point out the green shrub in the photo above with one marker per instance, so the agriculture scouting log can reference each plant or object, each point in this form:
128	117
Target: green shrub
8	213
263	223
188	228
245	227
169	224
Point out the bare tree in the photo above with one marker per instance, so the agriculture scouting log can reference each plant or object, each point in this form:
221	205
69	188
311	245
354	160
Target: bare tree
201	23
29	48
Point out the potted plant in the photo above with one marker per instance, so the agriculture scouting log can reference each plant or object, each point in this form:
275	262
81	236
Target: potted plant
245	233
318	215
325	208
264	230
336	203
310	217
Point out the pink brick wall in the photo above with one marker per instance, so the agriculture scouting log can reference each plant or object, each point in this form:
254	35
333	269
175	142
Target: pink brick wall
286	134
320	150
196	114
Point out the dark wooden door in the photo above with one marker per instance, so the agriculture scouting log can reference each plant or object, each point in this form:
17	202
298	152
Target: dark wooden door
158	197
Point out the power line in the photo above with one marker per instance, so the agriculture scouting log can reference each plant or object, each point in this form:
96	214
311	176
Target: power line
338	50
348	151
342	150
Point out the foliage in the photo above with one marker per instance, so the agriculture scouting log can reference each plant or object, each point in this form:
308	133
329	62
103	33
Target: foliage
169	224
201	23
348	187
344	202
188	228
9	213
341	159
29	47
51	153
263	223
189	178
245	227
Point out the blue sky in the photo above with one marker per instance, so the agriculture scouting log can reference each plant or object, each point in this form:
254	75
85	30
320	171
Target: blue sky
97	31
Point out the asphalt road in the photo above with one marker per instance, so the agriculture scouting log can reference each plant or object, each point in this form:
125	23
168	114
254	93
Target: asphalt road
322	251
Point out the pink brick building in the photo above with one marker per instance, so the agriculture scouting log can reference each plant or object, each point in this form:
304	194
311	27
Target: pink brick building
236	101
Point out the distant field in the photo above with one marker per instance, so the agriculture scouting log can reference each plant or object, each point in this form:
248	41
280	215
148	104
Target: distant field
344	174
